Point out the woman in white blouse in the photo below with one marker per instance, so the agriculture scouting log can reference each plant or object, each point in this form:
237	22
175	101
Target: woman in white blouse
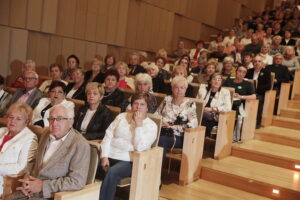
132	131
178	113
17	142
57	95
216	99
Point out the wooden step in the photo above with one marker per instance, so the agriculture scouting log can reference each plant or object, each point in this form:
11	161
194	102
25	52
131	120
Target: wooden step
269	153
279	135
293	104
205	190
254	177
286	122
290	113
297	97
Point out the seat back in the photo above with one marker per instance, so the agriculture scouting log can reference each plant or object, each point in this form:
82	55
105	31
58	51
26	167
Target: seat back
95	154
231	90
272	80
195	88
127	92
115	110
158	120
159	97
199	109
78	103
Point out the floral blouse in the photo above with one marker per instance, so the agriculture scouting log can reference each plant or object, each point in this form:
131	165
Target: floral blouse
183	115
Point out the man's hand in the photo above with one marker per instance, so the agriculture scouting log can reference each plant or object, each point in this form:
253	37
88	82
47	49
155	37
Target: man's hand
31	185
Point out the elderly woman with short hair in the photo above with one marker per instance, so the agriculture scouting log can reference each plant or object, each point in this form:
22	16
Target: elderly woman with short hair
57	95
209	69
124	81
93	118
113	96
17	142
228	69
75	90
275	46
290	60
265	54
178	113
143	84
158	84
95	74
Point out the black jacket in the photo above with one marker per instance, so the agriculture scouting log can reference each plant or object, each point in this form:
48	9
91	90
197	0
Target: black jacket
263	80
113	99
281	74
134	70
79	94
99	78
291	42
158	85
98	123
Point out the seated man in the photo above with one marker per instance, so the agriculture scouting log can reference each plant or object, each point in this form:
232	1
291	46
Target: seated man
62	160
30	94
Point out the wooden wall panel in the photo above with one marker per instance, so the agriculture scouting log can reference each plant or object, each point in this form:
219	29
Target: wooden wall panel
133	15
4	49
90	53
140	25
147	30
49	16
258	6
112	22
66	17
91	20
34	16
231	9
102	21
155	27
67	47
79	49
122	22
101	51
208	10
18	13
55	50
4	11
80	19
206	31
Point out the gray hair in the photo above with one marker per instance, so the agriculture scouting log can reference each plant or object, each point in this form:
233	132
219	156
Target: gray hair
179	79
32	72
143	77
70	112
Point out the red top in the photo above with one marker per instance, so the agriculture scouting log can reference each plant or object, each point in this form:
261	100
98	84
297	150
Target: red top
5	139
123	84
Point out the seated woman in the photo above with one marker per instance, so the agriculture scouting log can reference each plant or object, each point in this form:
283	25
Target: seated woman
160	62
209	69
95	74
5	97
158	84
76	89
17	142
180	71
143	84
132	131
186	63
57	95
275	46
72	64
113	96
109	63
93	118
124	81
216	99
290	60
244	90
178	113
56	72
228	69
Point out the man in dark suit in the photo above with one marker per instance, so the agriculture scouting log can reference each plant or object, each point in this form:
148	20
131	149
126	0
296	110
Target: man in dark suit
262	78
287	40
62	160
134	65
30	94
281	72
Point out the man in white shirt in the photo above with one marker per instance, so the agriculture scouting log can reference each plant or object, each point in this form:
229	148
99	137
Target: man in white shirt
62	161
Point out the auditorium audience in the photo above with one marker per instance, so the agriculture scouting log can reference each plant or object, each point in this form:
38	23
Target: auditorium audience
113	96
17	142
75	90
228	69
195	53
275	46
219	53
290	60
254	47
124	80
130	131
214	44
158	84
134	65
72	64
93	118
229	39
179	52
56	72
109	63
5	97
57	95
178	113
216	99
287	40
95	74
160	62
264	53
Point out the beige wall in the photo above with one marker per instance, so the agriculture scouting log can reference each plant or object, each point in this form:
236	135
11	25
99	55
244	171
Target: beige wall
47	31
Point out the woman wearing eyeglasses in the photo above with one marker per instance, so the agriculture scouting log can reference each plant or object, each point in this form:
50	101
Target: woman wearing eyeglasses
17	142
216	99
57	95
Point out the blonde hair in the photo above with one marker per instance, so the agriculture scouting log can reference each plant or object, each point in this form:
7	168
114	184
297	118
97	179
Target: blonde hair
289	48
179	79
95	85
277	37
25	109
152	66
97	61
143	77
180	68
121	63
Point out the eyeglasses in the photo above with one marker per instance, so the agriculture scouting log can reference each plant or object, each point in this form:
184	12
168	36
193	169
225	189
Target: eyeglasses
30	78
217	79
58	119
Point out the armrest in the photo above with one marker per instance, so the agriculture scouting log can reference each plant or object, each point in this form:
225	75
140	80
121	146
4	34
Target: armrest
146	171
249	123
268	108
10	183
224	134
192	152
90	192
284	96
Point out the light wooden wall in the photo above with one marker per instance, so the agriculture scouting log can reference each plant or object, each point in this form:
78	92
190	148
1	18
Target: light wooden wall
47	31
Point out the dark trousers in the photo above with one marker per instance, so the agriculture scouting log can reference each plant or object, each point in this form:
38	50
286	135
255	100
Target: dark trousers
261	100
209	124
118	170
167	142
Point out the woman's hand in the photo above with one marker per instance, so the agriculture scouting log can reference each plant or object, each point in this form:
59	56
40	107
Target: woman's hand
138	118
105	163
236	95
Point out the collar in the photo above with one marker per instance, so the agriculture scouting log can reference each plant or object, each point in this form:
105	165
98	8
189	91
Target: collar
52	138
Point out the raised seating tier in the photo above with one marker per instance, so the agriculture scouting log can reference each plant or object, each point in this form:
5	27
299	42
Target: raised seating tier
286	122
254	177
